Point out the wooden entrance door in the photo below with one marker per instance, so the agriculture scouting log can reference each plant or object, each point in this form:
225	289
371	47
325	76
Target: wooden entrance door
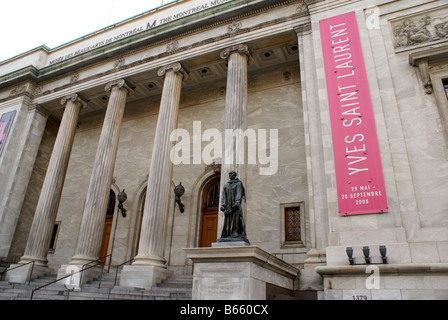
209	216
209	229
106	238
107	227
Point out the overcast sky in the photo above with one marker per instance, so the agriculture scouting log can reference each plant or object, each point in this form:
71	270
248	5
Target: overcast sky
27	24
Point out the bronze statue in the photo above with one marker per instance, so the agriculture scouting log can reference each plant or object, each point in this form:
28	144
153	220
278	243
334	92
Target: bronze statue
231	204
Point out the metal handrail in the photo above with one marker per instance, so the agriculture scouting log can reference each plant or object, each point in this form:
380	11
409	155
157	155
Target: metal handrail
70	275
118	267
20	266
99	260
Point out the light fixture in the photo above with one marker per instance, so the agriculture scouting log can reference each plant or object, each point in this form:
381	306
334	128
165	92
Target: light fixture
349	251
122	197
366	252
383	252
179	192
367	259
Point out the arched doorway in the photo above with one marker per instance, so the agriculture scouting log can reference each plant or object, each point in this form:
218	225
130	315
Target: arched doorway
108	226
209	214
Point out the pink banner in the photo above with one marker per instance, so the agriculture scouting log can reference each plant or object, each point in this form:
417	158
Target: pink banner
359	173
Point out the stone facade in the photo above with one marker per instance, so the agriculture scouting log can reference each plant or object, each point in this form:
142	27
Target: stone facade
203	67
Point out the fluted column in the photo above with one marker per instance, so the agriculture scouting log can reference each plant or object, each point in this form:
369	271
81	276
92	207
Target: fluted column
238	58
152	238
92	225
50	196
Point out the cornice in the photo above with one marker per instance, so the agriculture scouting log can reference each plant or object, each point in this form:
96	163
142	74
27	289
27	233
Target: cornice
163	34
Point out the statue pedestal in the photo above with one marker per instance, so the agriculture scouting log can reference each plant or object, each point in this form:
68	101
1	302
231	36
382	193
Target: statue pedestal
237	273
230	244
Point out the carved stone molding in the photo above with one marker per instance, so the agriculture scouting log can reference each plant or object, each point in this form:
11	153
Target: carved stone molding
18	90
234	27
423	59
172	46
239	48
119	63
121	83
420	29
215	166
74	98
38	90
423	67
74	77
302	8
175	67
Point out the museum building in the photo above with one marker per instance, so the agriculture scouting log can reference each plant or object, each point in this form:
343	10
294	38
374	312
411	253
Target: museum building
116	149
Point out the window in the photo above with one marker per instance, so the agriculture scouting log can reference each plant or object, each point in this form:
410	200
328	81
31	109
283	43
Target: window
292	224
445	86
292	217
54	237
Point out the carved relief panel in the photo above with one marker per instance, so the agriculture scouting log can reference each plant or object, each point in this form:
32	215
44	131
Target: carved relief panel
420	29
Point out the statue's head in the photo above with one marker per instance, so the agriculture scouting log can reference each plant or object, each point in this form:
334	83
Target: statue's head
232	175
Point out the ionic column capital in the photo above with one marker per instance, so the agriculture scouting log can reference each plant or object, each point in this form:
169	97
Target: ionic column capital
121	83
176	67
239	48
74	98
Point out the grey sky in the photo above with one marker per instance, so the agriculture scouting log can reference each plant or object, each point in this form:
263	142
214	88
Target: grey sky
27	24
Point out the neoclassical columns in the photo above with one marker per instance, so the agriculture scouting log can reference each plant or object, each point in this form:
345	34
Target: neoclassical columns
152	239
238	58
47	207
149	266
92	225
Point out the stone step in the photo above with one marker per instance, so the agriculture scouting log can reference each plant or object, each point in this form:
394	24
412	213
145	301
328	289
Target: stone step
7	296
94	289
174	284
176	287
84	295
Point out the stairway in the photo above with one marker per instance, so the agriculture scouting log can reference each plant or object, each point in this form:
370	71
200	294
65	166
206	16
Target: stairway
176	287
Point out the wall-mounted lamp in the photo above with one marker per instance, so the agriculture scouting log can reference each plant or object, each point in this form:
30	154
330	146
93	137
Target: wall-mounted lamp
122	197
366	252
367	259
383	252
179	192
350	254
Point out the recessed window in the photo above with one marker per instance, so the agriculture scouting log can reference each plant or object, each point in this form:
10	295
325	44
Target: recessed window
292	224
54	237
292	215
445	86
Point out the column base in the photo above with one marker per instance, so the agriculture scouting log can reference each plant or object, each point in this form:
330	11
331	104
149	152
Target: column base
78	278
142	276
81	260
148	260
24	273
238	273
